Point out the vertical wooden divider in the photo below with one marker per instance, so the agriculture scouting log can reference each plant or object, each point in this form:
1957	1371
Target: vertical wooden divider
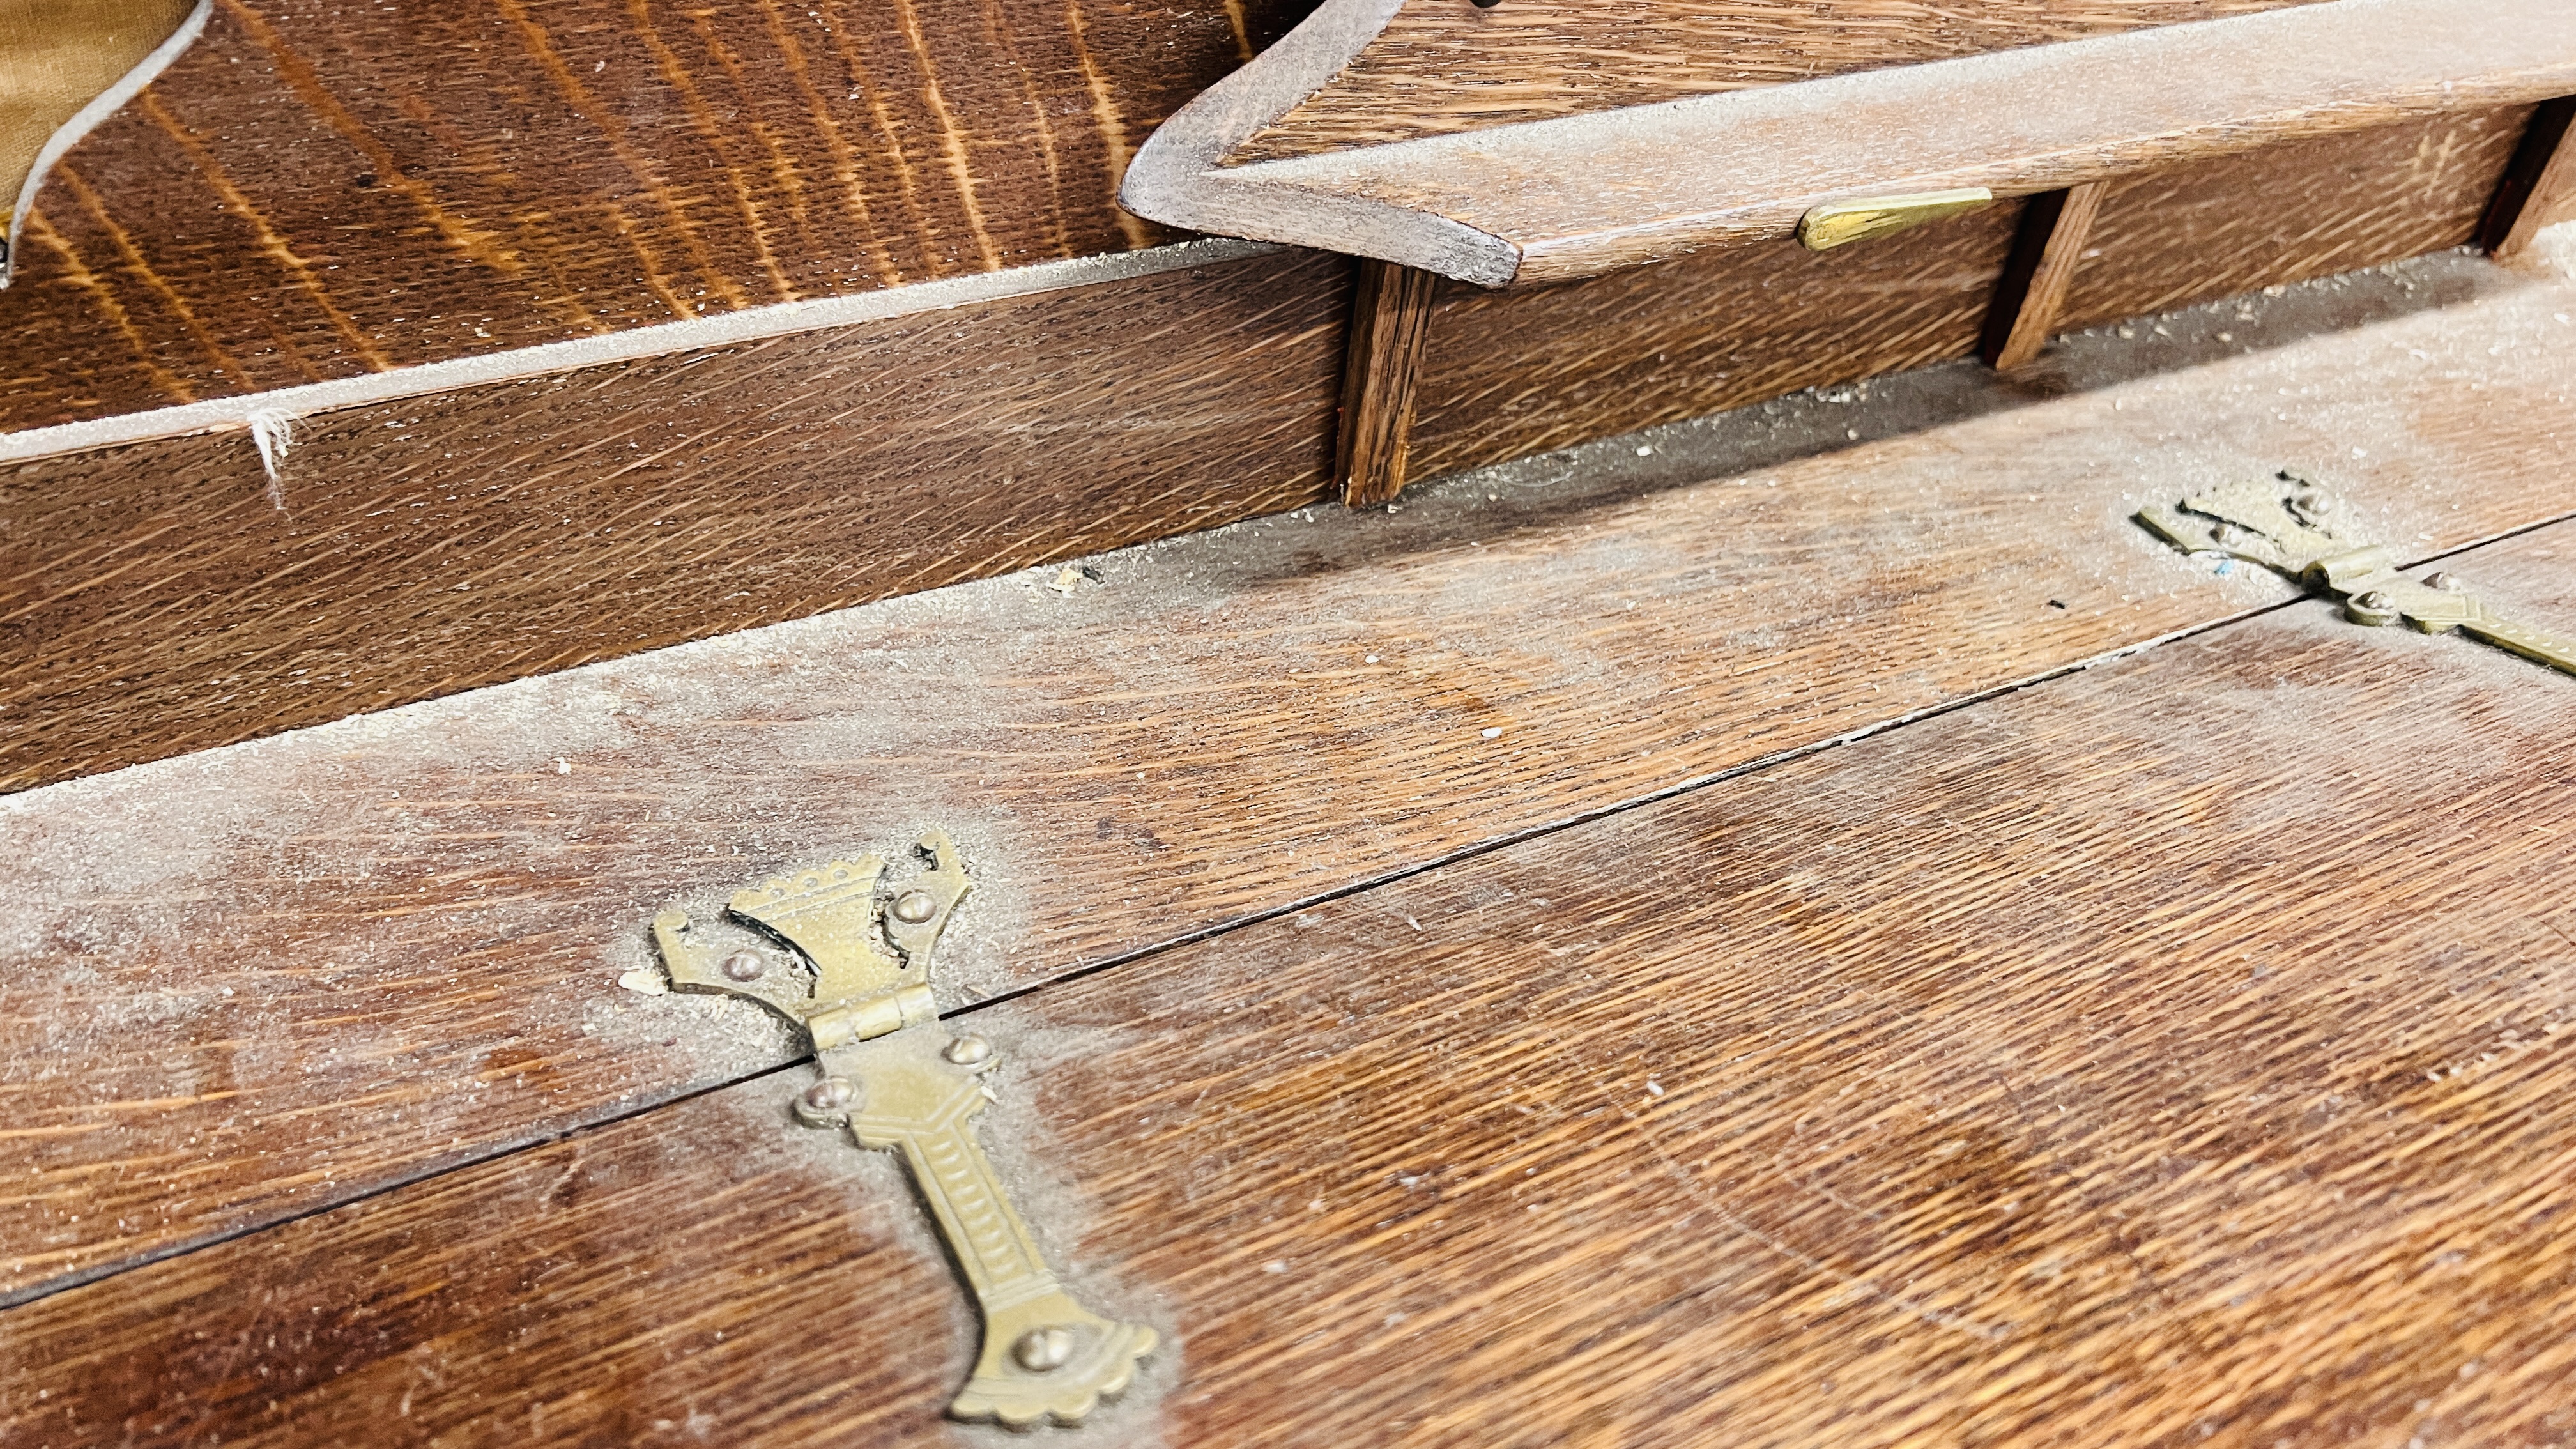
2539	179
2031	295
1390	317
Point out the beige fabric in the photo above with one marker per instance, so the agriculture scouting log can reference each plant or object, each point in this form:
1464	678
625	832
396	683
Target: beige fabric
56	56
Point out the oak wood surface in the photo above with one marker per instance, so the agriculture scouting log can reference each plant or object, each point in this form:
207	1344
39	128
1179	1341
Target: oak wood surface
254	982
2031	298
2310	209
1512	373
1390	316
318	190
168	596
1538	202
2172	1054
1445	66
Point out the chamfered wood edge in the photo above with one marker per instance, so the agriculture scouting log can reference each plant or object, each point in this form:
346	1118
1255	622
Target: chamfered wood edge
1390	321
2541	175
1775	152
2032	294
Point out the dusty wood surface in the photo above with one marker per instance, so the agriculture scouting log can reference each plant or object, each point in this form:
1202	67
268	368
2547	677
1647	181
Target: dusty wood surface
2538	187
1441	67
2031	298
167	597
2171	1054
1536	202
1390	316
317	190
256	981
1508	374
2313	209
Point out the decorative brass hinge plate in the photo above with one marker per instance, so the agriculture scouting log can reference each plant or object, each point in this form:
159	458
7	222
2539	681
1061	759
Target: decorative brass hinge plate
2287	523
856	975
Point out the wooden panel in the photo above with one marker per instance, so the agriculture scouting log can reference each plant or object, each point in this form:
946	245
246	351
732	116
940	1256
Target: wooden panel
2313	209
1441	67
1544	202
254	982
1506	374
166	597
318	190
2173	1054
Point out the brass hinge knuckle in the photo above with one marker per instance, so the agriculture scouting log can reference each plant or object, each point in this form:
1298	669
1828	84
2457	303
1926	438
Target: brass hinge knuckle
2283	523
873	1017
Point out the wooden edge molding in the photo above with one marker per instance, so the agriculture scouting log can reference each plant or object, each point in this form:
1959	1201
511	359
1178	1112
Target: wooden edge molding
49	60
2032	295
2540	179
266	411
1390	321
1548	201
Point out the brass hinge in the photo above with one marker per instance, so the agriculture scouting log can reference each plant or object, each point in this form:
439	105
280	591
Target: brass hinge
2285	523
856	976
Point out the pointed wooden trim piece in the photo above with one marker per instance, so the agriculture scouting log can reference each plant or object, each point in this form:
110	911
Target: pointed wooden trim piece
2032	294
2538	183
1390	317
1531	202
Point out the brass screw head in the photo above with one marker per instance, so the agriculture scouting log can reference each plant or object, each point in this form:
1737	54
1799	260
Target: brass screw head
2308	505
744	966
1041	1349
2447	583
970	1051
832	1095
2374	608
914	907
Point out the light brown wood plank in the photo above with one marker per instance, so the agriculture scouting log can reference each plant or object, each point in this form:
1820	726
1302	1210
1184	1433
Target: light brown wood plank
421	915
317	191
2318	208
2172	1054
1390	316
1442	67
1539	202
167	596
2032	295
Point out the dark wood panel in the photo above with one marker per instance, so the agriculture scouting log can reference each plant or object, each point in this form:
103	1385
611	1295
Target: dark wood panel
2309	209
1507	374
2173	1054
255	982
1442	66
166	597
318	190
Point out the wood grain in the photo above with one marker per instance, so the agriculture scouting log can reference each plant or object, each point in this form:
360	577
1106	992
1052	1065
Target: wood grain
2314	209
1441	67
255	982
1540	202
2538	186
167	597
1507	374
2172	1054
1390	316
316	191
2031	298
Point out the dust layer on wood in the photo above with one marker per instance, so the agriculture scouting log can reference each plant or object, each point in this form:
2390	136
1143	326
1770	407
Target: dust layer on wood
256	981
2171	1053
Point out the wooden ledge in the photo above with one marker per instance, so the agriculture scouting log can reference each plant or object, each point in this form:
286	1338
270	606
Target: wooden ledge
1551	200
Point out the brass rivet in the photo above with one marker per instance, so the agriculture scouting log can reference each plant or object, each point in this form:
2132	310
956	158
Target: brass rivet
969	1051
2447	583
1041	1349
2374	608
914	907
744	966
832	1094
